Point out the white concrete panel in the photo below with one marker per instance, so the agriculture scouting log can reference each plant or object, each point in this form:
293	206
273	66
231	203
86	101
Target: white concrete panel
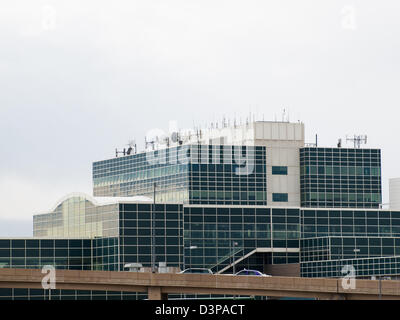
269	153
275	184
299	132
293	171
290	132
267	131
394	193
293	183
282	131
259	131
275	131
293	157
275	157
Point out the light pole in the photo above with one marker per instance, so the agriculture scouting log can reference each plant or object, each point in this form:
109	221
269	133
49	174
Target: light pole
153	242
355	251
190	248
190	254
234	265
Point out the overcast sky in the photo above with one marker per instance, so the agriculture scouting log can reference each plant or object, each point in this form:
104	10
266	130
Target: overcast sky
80	78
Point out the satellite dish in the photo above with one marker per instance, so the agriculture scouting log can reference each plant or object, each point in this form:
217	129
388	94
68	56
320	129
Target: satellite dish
175	136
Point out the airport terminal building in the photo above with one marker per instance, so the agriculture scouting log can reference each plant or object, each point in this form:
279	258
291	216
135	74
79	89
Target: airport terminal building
248	196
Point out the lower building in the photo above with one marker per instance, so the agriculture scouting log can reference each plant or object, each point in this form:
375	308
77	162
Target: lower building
83	233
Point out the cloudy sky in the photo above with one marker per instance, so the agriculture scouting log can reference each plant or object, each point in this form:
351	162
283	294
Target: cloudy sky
80	78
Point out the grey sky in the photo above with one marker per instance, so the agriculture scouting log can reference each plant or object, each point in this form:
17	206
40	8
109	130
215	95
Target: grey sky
79	78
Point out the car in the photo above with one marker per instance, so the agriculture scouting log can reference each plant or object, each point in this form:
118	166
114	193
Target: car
197	270
246	272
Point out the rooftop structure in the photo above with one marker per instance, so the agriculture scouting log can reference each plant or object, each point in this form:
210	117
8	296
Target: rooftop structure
394	193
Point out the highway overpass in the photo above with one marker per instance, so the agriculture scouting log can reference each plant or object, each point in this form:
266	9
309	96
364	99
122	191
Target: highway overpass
159	285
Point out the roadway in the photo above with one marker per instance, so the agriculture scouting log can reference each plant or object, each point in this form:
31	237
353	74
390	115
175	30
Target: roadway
159	285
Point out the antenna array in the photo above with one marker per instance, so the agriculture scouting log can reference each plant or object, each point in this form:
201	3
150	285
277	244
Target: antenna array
357	140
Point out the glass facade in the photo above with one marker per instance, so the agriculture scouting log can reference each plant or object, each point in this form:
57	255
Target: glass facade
72	254
41	294
128	234
77	216
221	234
106	254
345	223
136	174
321	241
367	256
206	236
195	174
342	178
363	268
137	239
368	240
342	248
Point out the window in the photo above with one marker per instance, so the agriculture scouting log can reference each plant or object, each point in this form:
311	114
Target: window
279	170
280	197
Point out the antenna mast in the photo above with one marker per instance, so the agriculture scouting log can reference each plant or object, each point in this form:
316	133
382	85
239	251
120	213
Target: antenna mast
357	140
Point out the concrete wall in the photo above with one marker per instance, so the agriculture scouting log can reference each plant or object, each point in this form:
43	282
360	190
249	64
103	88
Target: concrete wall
394	193
283	270
283	141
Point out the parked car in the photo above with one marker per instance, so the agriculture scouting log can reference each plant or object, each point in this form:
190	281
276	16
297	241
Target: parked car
246	272
197	270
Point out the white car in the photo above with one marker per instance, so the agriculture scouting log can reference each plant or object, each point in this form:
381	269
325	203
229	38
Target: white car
246	272
197	271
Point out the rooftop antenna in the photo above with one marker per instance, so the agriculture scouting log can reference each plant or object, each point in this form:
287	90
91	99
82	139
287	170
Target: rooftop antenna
132	147
149	143
118	152
357	140
163	140
313	144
